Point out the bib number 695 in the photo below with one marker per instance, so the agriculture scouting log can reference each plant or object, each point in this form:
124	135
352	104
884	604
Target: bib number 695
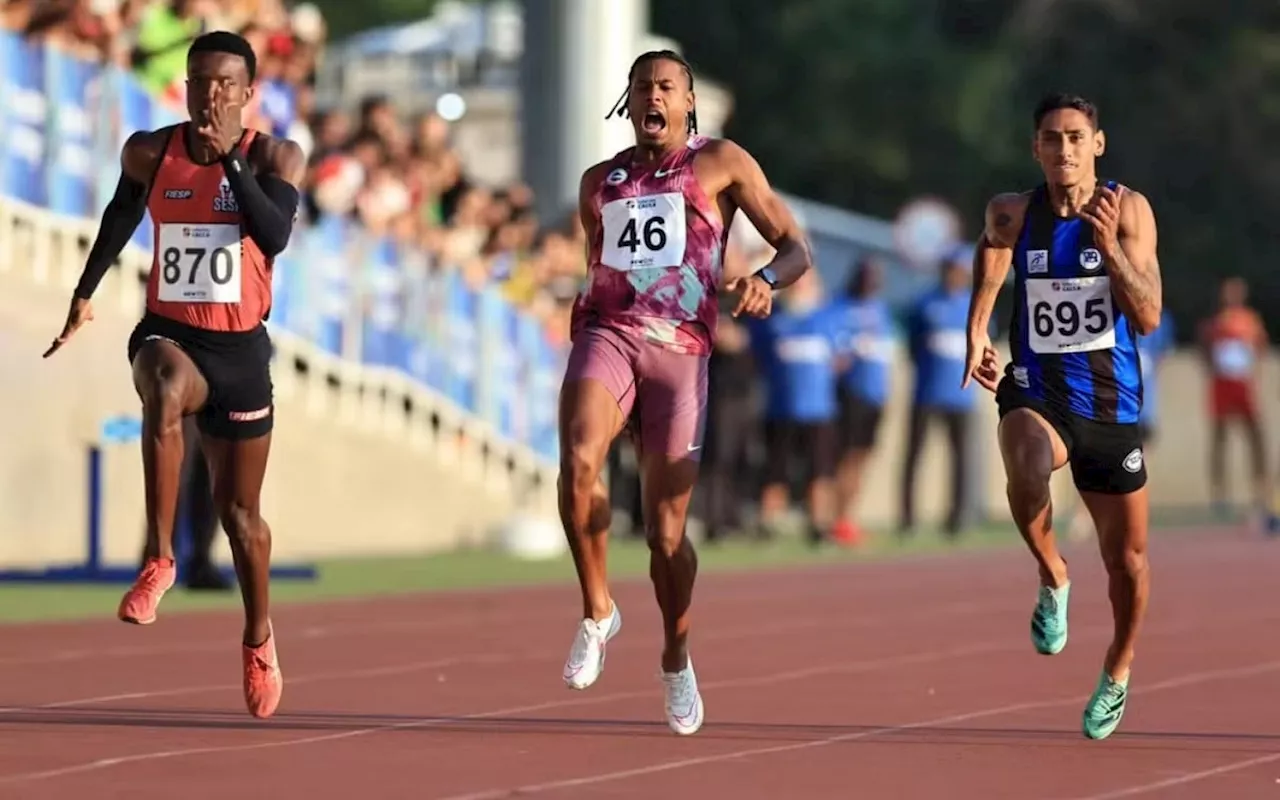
1066	318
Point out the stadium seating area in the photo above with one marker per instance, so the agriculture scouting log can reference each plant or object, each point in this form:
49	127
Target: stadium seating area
403	261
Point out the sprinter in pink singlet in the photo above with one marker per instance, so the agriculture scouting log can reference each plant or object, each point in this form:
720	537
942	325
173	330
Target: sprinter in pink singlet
657	218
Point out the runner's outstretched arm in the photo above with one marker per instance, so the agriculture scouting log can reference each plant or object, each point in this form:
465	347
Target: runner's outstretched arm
751	192
991	261
119	219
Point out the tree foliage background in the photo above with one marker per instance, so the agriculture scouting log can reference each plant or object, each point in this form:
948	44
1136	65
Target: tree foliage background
866	104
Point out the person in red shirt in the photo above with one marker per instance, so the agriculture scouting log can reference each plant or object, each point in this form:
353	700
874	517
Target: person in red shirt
223	201
1233	342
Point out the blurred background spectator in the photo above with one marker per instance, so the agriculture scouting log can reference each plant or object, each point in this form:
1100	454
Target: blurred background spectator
936	337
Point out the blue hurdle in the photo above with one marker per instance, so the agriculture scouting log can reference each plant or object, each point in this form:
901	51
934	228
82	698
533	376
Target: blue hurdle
123	430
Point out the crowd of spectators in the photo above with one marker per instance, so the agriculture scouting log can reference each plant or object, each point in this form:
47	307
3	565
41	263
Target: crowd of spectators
393	175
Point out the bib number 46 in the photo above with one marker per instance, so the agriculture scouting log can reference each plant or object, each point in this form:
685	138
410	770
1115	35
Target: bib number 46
1066	318
653	232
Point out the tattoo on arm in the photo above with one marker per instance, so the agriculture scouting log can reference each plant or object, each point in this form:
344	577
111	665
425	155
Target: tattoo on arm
1138	290
990	267
1133	267
991	261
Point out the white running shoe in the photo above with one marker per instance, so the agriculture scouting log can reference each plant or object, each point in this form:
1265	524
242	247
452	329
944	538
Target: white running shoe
684	702
586	656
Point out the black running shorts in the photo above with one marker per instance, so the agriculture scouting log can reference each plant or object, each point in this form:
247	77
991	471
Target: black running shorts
808	446
237	367
1105	457
859	422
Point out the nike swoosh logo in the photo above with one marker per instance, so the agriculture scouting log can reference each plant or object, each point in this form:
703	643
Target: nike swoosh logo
662	173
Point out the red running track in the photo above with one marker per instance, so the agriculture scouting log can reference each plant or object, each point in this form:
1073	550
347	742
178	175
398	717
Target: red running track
912	679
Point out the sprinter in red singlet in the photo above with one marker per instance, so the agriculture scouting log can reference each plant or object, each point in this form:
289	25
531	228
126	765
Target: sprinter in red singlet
657	217
223	201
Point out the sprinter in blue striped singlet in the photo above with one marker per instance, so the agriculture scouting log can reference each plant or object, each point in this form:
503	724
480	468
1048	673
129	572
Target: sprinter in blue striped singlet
1086	286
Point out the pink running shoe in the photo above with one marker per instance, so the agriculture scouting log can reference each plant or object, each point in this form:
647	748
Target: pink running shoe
140	602
263	682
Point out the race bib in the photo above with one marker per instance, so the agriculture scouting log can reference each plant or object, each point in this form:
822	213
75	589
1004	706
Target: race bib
1233	358
1070	315
199	263
644	232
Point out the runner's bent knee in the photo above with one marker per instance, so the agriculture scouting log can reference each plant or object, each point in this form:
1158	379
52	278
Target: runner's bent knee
241	522
1027	449
664	532
580	467
166	381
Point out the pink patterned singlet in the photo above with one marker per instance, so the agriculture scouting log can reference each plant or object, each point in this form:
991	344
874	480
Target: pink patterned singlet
657	258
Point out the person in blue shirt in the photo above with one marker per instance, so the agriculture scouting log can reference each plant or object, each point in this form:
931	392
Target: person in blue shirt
795	352
936	337
864	325
1152	350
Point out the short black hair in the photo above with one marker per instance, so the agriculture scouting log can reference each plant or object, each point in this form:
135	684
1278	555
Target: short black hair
620	107
226	42
1060	100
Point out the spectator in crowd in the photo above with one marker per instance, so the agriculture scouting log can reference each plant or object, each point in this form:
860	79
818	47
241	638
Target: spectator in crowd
936	332
795	349
1233	343
865	326
730	424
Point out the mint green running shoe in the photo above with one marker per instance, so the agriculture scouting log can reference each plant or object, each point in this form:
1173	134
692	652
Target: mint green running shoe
1049	620
1106	707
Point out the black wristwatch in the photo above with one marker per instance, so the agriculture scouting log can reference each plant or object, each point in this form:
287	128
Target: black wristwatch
768	276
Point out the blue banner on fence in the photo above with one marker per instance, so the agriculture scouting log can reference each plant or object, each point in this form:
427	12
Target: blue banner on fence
544	363
74	90
23	119
381	341
499	362
63	123
133	112
462	342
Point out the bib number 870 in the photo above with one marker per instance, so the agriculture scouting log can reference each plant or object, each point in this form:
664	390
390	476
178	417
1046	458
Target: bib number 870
1066	318
654	232
221	265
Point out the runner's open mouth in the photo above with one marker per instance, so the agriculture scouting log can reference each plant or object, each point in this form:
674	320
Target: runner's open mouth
653	122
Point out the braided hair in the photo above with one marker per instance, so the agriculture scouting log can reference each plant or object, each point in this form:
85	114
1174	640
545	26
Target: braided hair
620	107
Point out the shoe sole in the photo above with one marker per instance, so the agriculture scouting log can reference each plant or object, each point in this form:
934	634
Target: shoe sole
1052	651
137	620
1100	736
